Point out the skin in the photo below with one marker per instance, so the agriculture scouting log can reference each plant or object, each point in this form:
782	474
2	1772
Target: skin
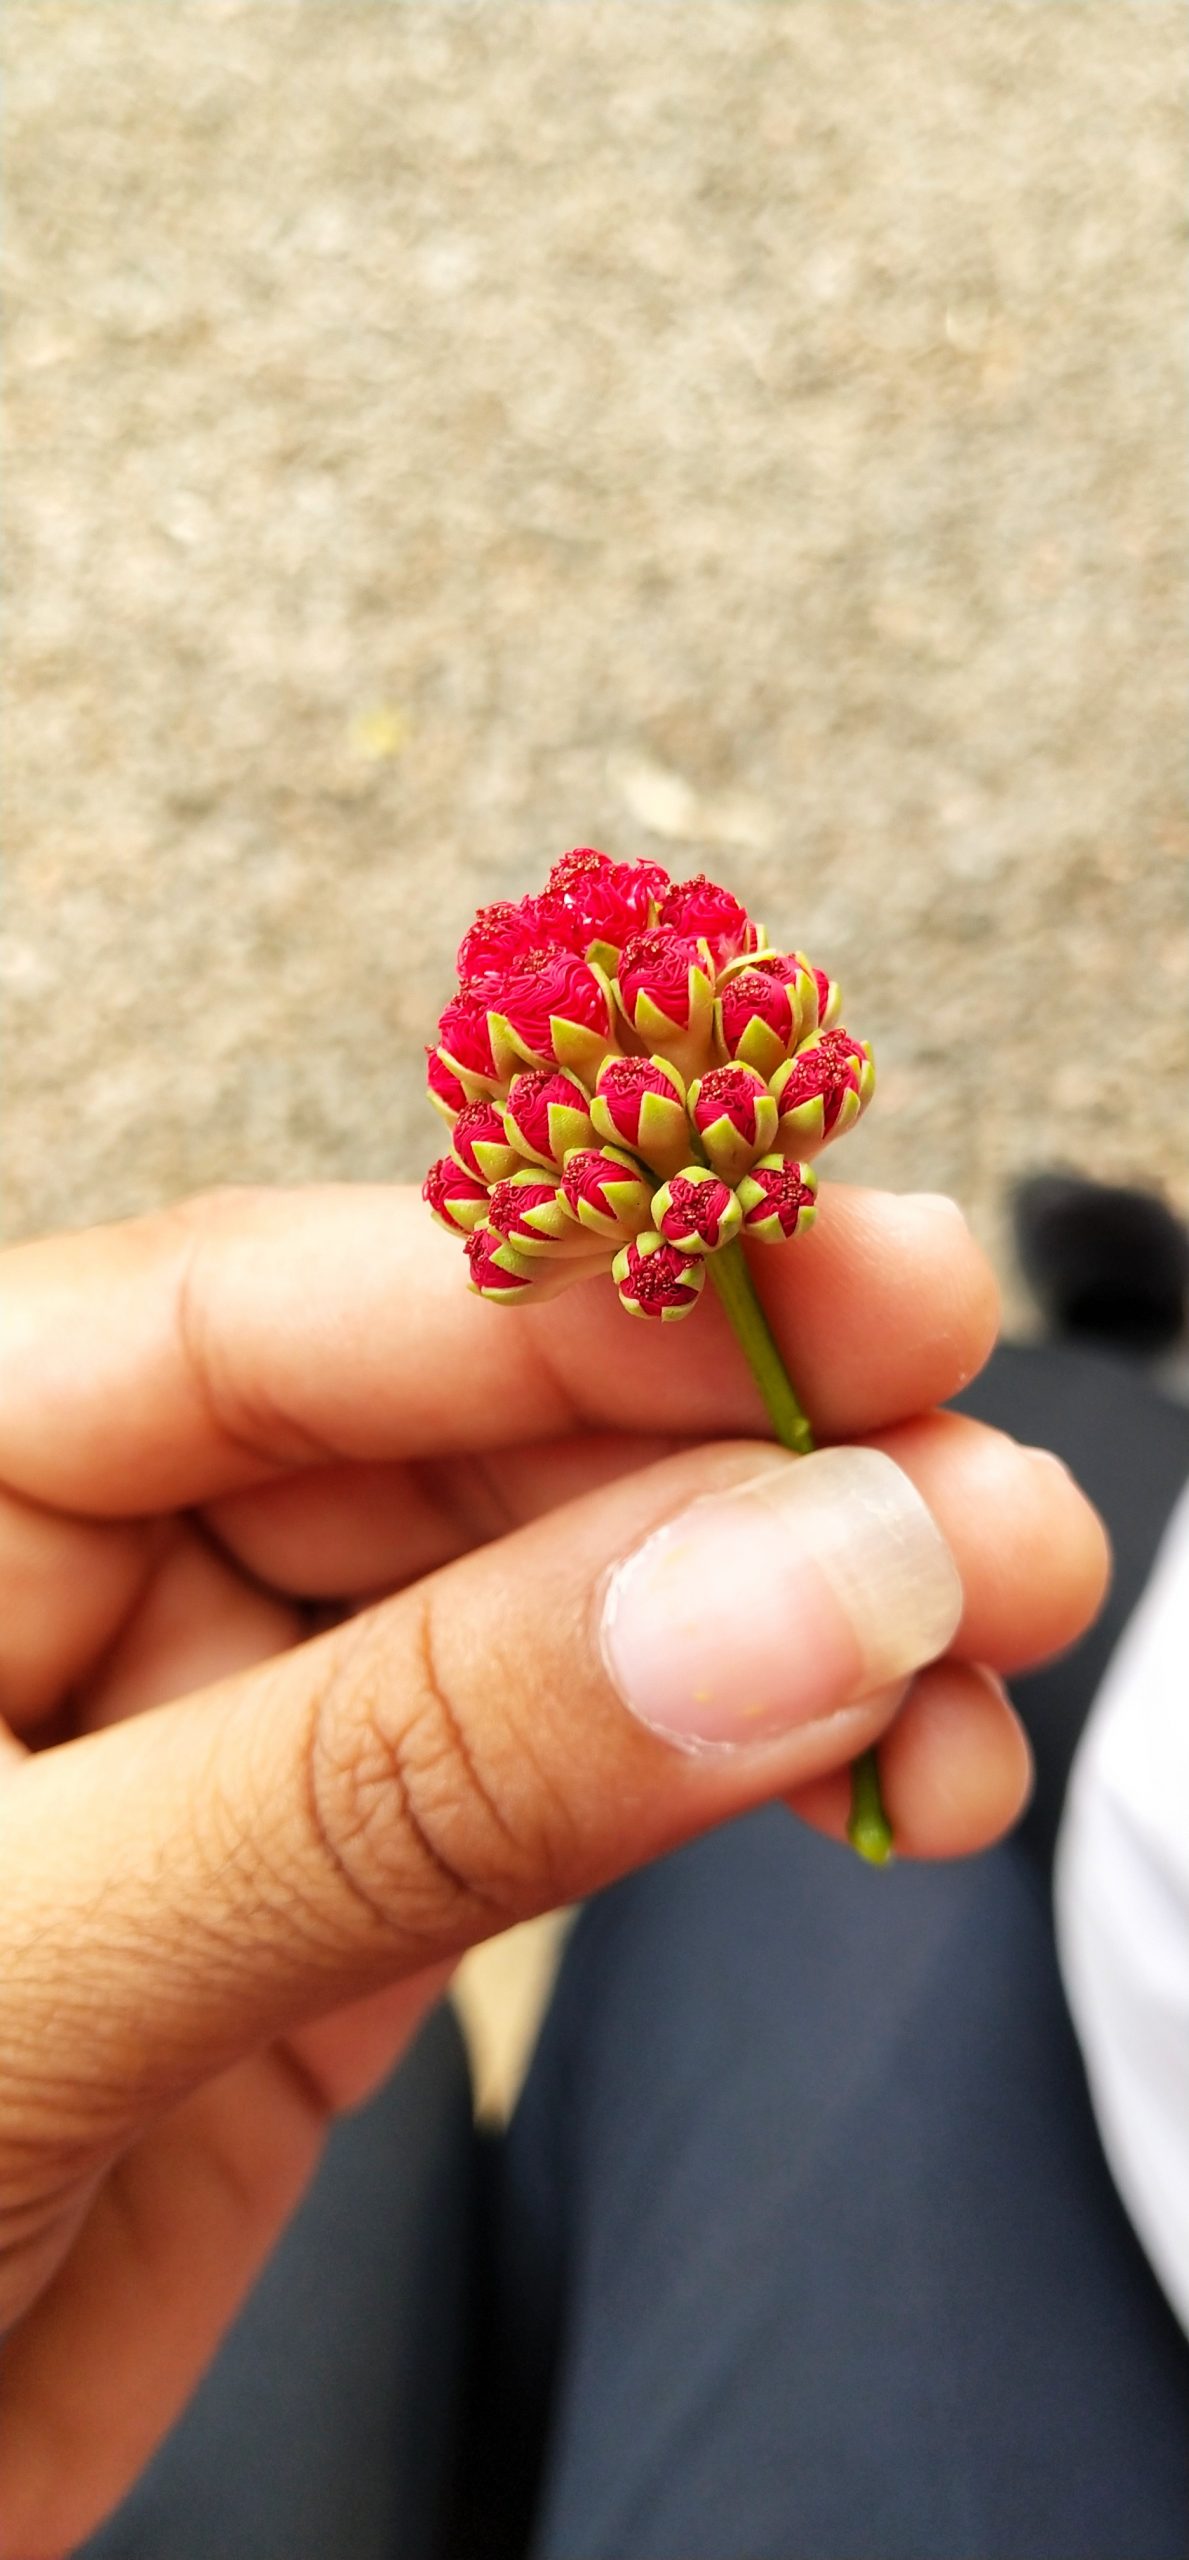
301	1548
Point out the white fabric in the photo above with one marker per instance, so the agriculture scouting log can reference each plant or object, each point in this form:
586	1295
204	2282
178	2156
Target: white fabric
1122	1887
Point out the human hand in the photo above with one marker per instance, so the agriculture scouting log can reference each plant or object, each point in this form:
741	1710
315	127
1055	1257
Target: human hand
226	1427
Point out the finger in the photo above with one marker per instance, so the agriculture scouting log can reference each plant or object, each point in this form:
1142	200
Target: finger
67	1587
196	1621
180	1357
172	2245
1032	1553
955	1768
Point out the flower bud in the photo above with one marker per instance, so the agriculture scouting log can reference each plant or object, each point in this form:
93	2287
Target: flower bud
639	1103
735	1117
531	1213
697	1211
765	1007
607	1192
481	1145
446	1091
829	1000
546	1114
654	1279
665	986
496	1270
464	1046
700	908
821	1092
548	1008
457	1197
599	904
500	933
778	1199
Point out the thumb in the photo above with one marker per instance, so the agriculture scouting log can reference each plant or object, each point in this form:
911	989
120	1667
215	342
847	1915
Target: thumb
504	1736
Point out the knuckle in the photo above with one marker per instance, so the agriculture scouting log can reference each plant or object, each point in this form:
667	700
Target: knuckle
420	1824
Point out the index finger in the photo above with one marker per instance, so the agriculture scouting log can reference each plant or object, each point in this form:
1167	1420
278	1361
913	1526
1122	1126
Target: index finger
208	1347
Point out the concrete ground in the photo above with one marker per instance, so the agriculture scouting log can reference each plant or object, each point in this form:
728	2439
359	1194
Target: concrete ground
745	431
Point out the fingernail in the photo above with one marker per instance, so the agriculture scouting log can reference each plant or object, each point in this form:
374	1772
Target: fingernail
765	1607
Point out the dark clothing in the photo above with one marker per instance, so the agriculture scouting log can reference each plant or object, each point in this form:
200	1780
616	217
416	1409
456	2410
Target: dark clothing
800	2246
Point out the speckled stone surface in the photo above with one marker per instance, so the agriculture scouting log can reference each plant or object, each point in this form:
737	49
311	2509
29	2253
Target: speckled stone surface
750	433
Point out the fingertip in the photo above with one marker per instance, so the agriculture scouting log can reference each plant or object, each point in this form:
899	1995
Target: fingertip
955	1768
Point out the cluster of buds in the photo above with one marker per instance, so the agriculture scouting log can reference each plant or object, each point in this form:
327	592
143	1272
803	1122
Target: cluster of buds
633	1079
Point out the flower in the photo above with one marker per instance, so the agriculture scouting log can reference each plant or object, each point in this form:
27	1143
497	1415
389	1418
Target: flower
547	1008
654	1279
639	1103
531	1212
665	987
777	1199
821	1092
608	1191
600	904
735	1117
481	1143
546	1114
457	1198
633	1080
697	1211
765	1007
713	915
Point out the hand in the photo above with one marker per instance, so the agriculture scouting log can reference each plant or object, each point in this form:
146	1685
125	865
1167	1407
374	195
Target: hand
234	1427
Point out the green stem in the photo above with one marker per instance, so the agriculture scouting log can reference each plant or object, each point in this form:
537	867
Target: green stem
868	1829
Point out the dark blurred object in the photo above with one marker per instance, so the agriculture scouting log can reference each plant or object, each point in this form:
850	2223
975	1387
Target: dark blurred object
1106	1264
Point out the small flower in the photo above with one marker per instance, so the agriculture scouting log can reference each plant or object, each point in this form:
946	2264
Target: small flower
821	1092
696	1211
655	1280
639	1103
457	1198
446	1092
496	1270
710	914
665	986
765	1007
607	1192
464	1045
600	904
546	1114
481	1145
500	933
829	1000
735	1117
548	1008
778	1199
530	1212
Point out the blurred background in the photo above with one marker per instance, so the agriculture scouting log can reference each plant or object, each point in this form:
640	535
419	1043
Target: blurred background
744	433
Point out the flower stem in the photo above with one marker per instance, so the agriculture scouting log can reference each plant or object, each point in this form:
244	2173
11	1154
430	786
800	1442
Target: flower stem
868	1828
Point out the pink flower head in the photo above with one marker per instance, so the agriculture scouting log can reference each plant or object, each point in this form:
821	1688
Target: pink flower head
500	933
829	1000
777	1199
446	1091
821	1092
696	1211
665	986
532	1214
639	1103
547	1008
546	1114
497	1271
603	902
457	1198
735	1117
765	1007
710	914
464	1044
607	1192
655	1280
481	1145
